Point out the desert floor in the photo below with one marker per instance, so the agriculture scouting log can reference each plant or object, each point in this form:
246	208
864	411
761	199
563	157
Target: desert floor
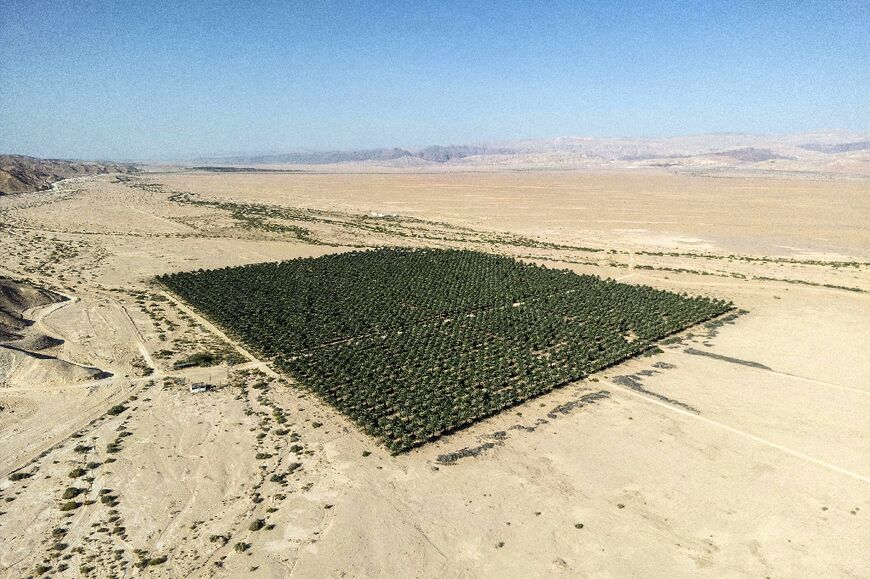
741	450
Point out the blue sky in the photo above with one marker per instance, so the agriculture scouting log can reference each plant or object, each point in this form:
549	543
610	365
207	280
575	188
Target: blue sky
157	79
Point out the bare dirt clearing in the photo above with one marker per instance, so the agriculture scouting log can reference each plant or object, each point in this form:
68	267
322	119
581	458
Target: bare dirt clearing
742	449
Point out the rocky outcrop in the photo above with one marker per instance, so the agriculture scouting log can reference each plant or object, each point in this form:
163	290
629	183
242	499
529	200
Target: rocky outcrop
22	174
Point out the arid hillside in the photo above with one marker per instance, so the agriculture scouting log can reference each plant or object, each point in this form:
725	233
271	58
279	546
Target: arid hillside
21	174
29	352
15	299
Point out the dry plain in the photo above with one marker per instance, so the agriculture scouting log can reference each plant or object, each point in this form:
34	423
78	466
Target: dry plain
740	450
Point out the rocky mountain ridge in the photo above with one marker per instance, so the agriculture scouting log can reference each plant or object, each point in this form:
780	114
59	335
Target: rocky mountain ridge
22	174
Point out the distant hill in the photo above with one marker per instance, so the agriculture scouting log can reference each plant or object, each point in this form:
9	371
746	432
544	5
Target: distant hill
22	174
439	154
752	155
837	148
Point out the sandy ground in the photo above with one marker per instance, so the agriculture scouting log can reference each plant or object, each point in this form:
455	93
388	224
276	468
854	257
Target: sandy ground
741	450
770	216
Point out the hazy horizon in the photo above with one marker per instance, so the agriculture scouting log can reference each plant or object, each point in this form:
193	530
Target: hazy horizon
111	81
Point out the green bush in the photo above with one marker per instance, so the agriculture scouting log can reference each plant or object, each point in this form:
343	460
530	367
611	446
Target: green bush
72	492
198	359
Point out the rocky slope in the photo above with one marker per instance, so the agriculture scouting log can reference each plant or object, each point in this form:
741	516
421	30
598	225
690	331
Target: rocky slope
28	355
15	299
21	174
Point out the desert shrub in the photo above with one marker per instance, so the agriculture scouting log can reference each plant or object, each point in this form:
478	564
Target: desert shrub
198	359
77	472
72	492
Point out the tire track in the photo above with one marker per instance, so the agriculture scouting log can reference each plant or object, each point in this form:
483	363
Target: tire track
743	433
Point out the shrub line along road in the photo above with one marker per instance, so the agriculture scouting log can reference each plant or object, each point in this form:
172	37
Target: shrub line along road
254	361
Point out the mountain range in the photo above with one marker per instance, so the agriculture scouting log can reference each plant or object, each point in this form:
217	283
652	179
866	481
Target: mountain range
733	148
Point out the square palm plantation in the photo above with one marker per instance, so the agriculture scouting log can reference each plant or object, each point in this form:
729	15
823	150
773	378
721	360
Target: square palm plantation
411	344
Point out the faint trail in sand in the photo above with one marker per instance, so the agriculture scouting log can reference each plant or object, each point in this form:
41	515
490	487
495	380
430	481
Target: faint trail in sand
88	414
97	409
140	341
823	383
763	368
744	434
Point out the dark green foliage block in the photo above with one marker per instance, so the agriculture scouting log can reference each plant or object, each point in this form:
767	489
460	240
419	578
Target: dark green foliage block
412	344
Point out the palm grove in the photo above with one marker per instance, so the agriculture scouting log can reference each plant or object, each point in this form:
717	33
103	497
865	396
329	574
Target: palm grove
414	343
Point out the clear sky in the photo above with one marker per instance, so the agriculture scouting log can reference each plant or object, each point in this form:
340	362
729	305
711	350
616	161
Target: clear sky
152	79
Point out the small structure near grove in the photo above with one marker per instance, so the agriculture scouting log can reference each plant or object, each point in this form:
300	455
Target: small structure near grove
197	387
